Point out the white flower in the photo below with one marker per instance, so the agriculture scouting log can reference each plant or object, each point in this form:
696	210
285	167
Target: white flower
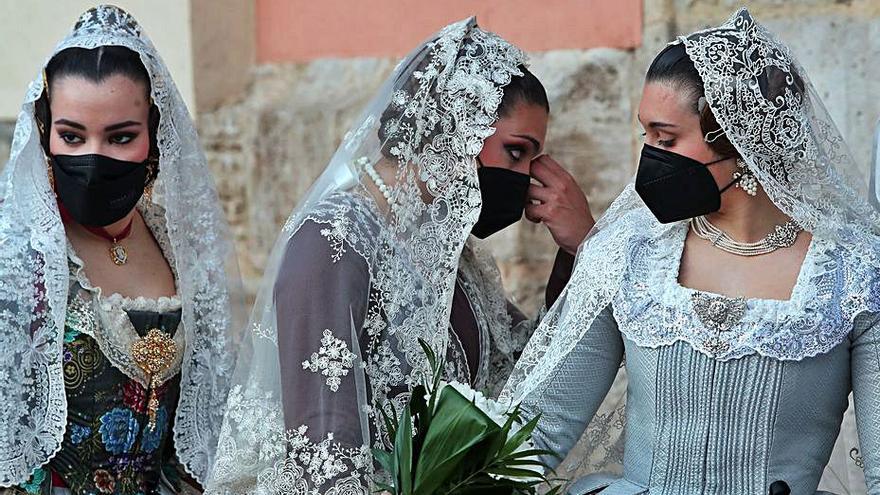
497	412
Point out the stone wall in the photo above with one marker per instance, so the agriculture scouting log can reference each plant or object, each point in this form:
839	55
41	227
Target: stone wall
6	129
267	149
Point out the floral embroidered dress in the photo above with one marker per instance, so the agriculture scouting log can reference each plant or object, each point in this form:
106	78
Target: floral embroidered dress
110	445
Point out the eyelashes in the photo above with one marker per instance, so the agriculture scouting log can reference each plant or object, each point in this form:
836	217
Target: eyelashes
123	138
70	138
666	143
516	152
120	139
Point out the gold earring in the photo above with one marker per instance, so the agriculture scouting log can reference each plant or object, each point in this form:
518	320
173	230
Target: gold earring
50	174
152	167
45	83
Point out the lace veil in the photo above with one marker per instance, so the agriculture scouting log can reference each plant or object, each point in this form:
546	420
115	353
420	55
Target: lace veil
406	232
770	112
34	272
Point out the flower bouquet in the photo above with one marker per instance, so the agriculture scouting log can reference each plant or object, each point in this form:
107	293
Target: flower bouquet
451	440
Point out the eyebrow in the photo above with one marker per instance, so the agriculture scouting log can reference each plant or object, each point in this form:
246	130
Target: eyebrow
658	125
113	127
70	123
121	125
535	142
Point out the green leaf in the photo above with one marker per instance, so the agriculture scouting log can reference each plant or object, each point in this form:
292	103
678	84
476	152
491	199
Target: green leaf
512	471
520	437
429	353
490	488
391	421
385	459
403	449
421	420
382	487
457	426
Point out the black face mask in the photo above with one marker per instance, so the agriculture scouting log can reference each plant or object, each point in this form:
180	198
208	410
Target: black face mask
98	190
675	187
504	195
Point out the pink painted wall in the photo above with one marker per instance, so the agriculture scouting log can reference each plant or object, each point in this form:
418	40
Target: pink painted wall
298	30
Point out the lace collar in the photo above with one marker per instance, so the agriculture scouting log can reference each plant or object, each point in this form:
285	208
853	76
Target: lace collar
653	309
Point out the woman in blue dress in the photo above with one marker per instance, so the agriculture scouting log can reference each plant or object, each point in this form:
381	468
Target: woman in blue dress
739	278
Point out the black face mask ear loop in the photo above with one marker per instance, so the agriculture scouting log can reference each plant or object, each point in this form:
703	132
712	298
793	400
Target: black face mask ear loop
732	183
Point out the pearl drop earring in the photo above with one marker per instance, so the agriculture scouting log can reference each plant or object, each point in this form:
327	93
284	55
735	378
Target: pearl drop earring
747	180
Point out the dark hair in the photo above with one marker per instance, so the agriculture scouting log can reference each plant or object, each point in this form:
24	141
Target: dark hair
673	66
97	65
523	89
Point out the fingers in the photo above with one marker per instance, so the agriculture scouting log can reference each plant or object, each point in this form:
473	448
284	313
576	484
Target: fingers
542	194
547	171
537	212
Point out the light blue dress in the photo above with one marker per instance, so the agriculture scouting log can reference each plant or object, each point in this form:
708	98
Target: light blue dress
725	396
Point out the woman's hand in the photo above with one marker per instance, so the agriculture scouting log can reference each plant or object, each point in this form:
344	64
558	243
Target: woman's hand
559	203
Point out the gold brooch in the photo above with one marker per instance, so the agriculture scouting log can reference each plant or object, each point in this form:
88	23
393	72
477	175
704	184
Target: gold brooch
154	354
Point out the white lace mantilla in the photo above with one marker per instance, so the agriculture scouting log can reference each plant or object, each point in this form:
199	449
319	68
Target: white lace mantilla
296	463
834	286
35	276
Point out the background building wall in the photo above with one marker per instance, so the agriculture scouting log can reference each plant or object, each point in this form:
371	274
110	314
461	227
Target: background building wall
30	30
299	30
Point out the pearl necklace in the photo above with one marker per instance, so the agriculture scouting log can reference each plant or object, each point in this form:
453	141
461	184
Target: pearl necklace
783	236
377	179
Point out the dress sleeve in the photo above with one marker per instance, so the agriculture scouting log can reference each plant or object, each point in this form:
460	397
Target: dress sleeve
321	296
866	392
562	268
570	398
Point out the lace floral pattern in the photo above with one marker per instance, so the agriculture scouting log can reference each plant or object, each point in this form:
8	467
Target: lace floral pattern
34	271
832	289
761	98
287	461
332	360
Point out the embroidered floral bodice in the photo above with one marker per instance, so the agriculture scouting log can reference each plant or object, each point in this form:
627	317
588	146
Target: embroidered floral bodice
109	445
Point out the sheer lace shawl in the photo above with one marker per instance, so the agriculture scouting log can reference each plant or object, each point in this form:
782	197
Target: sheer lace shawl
34	272
357	349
